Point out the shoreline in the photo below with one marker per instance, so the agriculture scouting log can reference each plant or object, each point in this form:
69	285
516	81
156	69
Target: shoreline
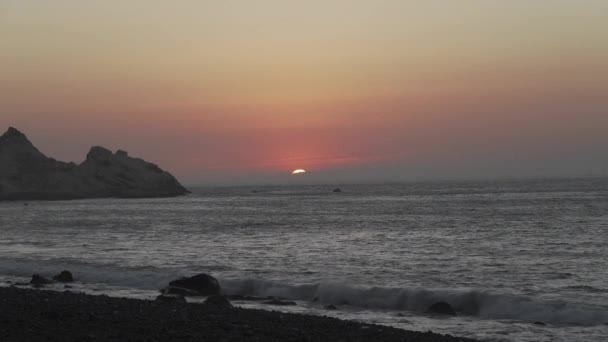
36	315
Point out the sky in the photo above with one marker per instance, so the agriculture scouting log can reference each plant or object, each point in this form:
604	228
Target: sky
244	91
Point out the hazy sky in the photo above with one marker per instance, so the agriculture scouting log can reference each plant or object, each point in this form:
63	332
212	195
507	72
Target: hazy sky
246	91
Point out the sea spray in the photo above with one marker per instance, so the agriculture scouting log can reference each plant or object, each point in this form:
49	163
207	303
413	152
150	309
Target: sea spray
484	304
474	302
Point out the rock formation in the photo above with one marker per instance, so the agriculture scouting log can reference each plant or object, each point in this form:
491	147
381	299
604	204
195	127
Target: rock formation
200	284
64	277
27	174
171	299
218	302
441	308
38	280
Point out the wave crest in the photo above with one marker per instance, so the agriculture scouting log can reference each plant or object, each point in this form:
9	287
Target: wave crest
480	303
484	304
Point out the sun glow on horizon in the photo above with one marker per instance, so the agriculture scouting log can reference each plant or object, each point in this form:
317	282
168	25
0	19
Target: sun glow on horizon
356	91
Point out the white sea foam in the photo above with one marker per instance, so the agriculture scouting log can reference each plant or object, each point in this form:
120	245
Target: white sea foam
466	301
146	278
472	302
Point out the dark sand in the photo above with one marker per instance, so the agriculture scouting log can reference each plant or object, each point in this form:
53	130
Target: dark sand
34	315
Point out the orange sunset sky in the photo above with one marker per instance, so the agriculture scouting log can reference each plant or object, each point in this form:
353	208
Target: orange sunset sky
247	91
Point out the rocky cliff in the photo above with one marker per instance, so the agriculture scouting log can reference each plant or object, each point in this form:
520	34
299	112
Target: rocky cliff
27	174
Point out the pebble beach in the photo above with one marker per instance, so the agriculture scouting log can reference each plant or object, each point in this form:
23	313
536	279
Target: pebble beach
40	315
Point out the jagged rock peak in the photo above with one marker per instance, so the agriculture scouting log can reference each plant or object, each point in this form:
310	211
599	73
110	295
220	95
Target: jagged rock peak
27	174
99	153
13	140
13	133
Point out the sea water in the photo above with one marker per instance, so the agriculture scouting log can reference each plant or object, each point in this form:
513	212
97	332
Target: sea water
519	260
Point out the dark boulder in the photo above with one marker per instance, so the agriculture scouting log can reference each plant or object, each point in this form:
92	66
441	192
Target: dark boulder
330	307
337	190
178	291
218	302
171	299
280	302
202	284
441	308
64	277
38	280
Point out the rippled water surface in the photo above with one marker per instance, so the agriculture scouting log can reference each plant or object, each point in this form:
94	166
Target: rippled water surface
505	254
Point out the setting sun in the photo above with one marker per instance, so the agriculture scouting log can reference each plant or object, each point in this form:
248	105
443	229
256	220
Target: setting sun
298	171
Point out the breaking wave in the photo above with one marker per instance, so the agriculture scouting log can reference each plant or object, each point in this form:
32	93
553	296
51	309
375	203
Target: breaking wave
479	303
483	304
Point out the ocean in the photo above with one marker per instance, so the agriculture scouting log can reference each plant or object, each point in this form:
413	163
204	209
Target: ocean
521	260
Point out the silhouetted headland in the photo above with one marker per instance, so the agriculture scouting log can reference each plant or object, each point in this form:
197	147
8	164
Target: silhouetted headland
27	174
